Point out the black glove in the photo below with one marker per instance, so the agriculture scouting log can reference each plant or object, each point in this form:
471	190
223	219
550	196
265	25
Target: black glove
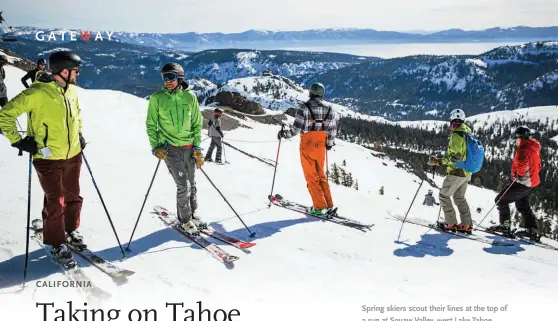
329	147
280	134
82	142
27	144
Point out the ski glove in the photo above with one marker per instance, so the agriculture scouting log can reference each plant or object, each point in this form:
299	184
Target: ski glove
160	152
433	161
82	142
27	144
198	156
281	134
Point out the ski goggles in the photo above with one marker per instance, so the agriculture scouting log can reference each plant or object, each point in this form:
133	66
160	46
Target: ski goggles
171	76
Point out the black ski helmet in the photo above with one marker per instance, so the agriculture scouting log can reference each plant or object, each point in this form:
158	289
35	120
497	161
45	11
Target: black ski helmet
522	132
317	90
61	60
173	67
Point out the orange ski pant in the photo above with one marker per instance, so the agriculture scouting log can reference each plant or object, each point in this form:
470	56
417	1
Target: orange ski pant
312	157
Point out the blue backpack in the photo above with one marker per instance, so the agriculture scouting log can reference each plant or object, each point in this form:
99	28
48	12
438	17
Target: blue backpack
475	154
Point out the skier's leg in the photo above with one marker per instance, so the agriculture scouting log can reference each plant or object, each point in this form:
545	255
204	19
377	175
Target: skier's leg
308	146
177	167
449	187
219	144
191	175
324	184
72	198
50	178
461	201
210	150
503	207
523	206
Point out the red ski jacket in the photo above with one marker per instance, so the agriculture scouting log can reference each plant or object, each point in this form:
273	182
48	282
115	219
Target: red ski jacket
527	162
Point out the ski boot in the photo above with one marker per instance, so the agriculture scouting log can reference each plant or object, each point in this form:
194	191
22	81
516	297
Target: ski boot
468	229
190	228
198	222
332	211
530	233
504	229
76	240
446	227
63	255
321	212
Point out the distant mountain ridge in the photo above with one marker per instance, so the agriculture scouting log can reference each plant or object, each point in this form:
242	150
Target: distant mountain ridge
200	41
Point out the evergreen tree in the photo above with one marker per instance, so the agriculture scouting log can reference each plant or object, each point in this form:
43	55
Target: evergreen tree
356	184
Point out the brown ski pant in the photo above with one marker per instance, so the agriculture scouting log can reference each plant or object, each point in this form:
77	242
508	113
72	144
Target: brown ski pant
62	202
312	157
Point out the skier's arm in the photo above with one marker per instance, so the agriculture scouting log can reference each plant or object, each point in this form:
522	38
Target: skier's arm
218	127
298	125
24	79
521	162
23	103
456	149
152	122
197	121
331	129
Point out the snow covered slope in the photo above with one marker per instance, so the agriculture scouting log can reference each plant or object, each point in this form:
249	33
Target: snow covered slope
300	269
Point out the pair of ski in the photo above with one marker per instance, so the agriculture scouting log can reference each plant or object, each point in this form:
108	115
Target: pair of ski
333	217
170	219
521	239
479	238
474	237
74	272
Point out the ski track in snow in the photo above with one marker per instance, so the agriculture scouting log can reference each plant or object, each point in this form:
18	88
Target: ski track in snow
316	269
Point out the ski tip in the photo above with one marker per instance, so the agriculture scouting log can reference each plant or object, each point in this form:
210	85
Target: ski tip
231	259
247	245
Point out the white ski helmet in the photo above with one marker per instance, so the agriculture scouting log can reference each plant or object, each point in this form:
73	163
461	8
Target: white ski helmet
457	114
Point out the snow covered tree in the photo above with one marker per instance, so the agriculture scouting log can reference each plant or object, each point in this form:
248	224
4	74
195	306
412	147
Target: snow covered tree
335	174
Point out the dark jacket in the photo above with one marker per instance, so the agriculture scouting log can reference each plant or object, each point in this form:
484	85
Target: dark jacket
29	75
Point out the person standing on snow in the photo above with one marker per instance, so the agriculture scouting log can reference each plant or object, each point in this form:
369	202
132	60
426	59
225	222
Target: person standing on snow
31	74
316	123
174	125
3	89
429	199
216	135
525	177
457	179
54	139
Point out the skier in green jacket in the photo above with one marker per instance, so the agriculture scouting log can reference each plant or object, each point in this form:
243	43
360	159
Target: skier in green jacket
457	179
174	124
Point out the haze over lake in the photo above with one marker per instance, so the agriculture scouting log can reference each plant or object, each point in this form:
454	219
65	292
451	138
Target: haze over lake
392	50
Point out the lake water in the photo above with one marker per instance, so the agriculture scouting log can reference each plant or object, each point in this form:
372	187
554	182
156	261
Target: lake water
380	49
392	50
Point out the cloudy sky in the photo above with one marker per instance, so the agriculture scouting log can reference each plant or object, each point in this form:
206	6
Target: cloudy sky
175	16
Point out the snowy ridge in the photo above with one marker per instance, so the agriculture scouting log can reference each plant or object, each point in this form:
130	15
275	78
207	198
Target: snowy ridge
272	92
300	263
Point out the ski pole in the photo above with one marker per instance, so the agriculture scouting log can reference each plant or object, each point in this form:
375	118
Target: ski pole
28	220
252	234
224	152
103	202
276	163
507	189
418	189
144	200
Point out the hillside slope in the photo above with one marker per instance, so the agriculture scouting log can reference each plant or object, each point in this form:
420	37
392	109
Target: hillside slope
301	268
